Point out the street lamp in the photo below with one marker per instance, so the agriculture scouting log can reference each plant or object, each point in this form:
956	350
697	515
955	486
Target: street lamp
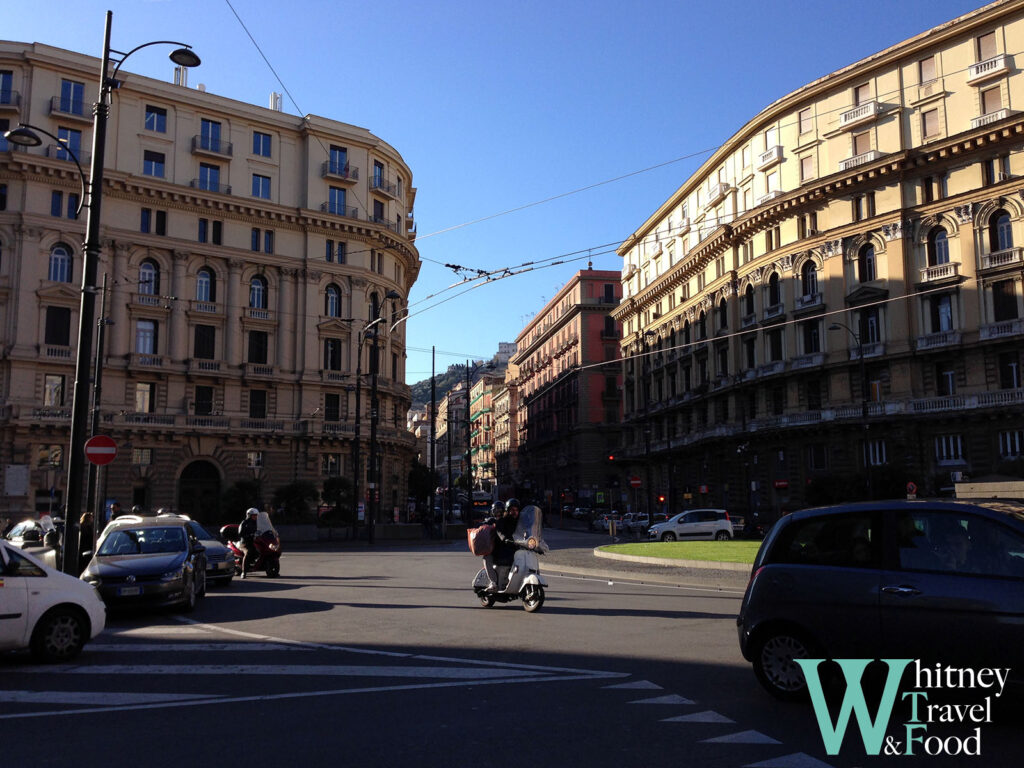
183	56
471	371
863	399
373	479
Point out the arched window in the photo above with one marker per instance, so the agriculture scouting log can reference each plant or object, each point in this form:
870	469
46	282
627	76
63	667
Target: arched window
702	327
809	278
206	285
686	333
938	247
374	306
149	278
1000	232
748	301
60	264
332	301
258	292
774	290
723	314
866	264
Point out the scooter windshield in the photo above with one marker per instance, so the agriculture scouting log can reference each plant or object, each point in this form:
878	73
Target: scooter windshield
263	524
529	529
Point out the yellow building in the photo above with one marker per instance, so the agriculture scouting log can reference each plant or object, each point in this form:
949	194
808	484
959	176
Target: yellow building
830	307
244	252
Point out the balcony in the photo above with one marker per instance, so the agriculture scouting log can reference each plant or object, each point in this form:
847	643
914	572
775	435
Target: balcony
683	228
1001	330
60	152
148	300
74	109
770	369
393	226
206	186
339	171
716	193
56	352
260	313
340	210
257	369
10	101
991	117
774	311
947	271
808	361
859	115
929	89
770	196
150	419
207	422
938	340
143	360
862	159
334	377
51	414
1005	258
388	188
810	300
769	158
985	70
261	425
205	307
871	349
196	365
206	145
748	321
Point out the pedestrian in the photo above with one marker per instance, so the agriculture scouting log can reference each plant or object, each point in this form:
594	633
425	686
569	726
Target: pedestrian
247	535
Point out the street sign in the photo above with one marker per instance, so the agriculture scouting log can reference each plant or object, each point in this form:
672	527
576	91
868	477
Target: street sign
634	482
100	450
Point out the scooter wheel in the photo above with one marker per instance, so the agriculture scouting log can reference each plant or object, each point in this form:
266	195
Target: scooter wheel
533	598
274	570
486	600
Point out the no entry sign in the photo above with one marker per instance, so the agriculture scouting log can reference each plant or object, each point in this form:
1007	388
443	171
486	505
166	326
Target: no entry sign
100	450
634	482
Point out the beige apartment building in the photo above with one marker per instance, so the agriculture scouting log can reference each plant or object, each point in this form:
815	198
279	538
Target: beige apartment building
831	306
244	252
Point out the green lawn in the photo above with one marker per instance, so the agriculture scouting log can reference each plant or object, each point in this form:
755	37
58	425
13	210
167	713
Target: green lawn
720	551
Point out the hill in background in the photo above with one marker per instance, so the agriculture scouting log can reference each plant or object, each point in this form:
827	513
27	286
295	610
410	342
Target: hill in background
445	382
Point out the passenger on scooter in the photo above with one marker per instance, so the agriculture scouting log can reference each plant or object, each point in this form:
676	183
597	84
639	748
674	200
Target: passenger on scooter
247	535
504	518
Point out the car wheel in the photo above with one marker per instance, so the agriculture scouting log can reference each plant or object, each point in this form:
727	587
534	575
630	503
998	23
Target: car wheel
202	587
533	598
59	635
722	536
775	667
188	603
668	536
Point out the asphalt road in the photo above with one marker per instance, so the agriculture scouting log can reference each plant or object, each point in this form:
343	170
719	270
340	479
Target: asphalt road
384	657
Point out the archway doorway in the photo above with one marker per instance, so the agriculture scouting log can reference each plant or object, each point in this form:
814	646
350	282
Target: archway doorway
199	492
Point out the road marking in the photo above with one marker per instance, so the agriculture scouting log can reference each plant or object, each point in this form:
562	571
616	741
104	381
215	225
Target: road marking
672	698
638	685
796	760
177	647
95	697
699	717
743	737
159	630
299	670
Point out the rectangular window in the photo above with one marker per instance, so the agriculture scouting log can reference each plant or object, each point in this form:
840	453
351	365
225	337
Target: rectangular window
861	143
205	342
874	453
53	390
775	345
378	173
160	223
930	123
750	352
261	186
332	354
146	220
1004	301
806	168
991	100
329	253
862	94
986	46
268	241
203	405
332	407
145	337
218	229
56	203
330	464
153	164
1011	444
258	407
70	143
258	343
942	313
1009	370
209	177
156	119
945	380
72	97
336	201
771	138
204	228
926	70
261	144
255	241
806	121
338	164
949	449
145	397
209	136
812	337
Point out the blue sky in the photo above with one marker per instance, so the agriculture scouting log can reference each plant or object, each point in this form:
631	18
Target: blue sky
496	106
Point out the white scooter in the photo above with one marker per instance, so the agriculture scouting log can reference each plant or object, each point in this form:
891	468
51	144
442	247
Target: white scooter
521	580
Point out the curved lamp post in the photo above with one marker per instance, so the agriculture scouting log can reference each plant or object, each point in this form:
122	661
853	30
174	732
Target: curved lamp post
183	56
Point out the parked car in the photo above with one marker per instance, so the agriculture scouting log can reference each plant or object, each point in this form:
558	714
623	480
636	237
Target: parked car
939	581
693	524
583	513
220	560
602	521
151	561
41	608
41	537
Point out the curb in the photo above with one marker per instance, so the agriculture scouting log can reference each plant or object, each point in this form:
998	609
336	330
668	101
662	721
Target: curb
699	564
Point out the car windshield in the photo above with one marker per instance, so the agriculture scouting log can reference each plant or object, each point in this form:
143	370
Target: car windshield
143	541
199	532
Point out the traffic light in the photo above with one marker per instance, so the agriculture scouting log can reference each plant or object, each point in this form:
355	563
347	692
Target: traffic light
611	457
661	498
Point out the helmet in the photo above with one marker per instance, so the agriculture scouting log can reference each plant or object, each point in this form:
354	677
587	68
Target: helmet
497	506
136	510
251	511
162	511
512	503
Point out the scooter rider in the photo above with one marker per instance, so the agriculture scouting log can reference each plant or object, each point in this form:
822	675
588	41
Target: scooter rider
247	534
504	517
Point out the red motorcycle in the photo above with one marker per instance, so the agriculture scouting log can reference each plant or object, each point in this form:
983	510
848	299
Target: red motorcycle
266	542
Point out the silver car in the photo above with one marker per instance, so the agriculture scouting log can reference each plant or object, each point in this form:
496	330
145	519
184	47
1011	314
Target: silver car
693	524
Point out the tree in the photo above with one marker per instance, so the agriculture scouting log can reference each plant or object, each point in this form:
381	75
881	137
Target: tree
337	494
422	481
296	499
237	498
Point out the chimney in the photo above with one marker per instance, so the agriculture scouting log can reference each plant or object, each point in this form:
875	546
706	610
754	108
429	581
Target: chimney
181	76
275	101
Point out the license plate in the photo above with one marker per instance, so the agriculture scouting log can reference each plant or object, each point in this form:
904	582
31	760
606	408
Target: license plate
128	591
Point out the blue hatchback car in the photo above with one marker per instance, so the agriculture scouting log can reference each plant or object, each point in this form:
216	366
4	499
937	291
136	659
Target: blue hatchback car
941	581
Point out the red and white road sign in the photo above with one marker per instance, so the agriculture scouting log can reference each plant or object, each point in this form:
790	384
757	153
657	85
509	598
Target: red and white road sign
634	482
100	450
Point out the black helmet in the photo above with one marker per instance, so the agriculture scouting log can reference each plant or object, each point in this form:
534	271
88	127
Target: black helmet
513	502
498	506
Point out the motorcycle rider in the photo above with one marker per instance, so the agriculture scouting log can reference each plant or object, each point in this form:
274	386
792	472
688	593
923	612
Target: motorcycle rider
247	535
504	518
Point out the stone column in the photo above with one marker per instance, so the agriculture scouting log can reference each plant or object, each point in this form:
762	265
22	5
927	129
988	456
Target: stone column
287	316
120	333
178	345
308	351
233	341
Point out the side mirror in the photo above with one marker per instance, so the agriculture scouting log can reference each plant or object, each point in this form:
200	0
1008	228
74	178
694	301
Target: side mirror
34	535
197	548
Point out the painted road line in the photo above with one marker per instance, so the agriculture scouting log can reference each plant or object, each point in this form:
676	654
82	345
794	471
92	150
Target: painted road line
99	698
637	685
699	717
293	670
743	737
672	698
796	760
177	647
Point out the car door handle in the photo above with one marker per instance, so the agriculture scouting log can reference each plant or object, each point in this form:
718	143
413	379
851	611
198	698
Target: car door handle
901	590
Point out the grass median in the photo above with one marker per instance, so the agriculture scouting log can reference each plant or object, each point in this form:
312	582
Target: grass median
711	551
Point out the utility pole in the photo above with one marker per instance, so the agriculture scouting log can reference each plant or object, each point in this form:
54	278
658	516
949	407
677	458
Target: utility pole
433	439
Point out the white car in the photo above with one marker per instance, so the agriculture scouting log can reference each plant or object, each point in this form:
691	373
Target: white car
693	524
41	608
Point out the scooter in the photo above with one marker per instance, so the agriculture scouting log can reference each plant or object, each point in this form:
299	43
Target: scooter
521	580
266	541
